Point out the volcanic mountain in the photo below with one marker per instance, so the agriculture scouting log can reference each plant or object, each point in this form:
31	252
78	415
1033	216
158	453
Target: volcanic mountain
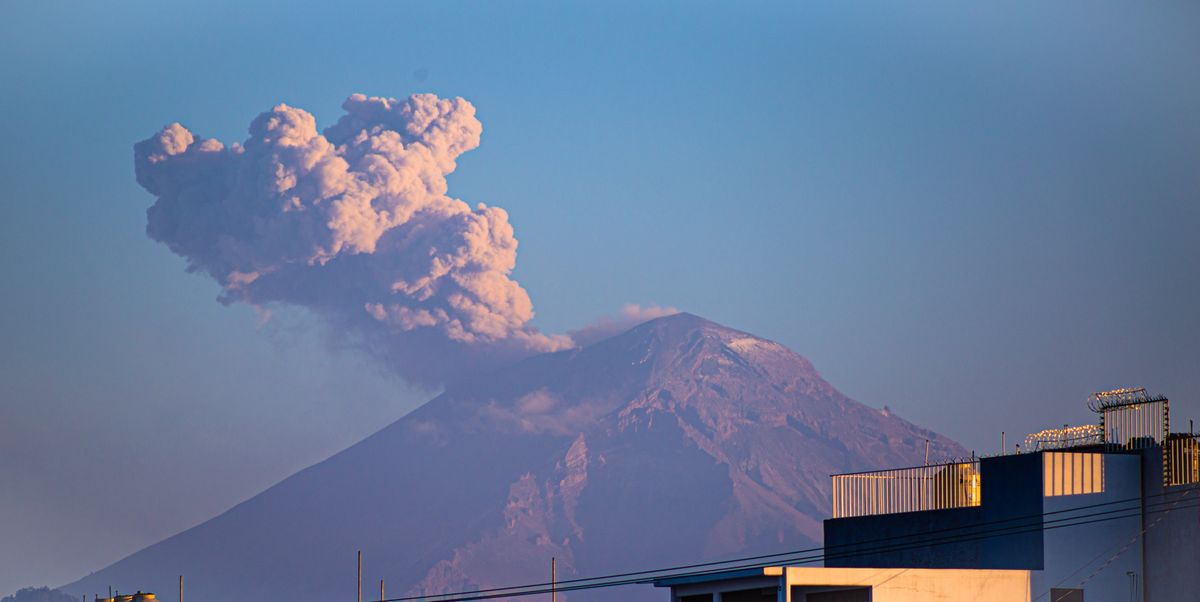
677	441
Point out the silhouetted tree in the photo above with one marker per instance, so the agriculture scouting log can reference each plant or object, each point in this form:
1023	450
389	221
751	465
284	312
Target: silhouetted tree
39	594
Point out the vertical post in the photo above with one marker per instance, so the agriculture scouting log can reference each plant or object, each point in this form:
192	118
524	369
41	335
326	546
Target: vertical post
553	579
381	598
181	588
927	452
1166	434
359	576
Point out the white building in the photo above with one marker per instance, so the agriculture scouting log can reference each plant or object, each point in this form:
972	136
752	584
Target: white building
1102	513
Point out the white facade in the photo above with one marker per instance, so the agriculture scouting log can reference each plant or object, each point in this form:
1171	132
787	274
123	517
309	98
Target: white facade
814	584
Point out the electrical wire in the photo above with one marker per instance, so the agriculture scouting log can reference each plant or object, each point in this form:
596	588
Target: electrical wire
808	550
1141	533
798	556
465	596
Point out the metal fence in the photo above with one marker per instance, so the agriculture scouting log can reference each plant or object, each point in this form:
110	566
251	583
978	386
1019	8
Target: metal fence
937	487
1181	460
1064	438
1136	423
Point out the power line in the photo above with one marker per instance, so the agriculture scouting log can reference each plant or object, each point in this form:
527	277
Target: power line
797	556
808	550
1141	533
464	596
794	556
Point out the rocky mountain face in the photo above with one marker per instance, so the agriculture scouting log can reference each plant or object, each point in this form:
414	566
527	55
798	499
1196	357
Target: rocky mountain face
677	441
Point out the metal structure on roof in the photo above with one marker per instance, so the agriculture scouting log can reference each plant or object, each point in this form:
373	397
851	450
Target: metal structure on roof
1098	402
1065	437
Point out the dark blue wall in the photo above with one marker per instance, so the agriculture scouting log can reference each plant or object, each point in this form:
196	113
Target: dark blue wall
1172	533
979	537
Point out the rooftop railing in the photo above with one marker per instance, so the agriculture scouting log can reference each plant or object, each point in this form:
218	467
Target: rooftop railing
935	487
1181	460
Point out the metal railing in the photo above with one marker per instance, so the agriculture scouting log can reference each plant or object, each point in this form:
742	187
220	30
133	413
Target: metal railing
1181	460
1137	423
936	487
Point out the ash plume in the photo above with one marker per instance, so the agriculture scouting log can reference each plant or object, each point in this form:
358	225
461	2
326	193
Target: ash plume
355	224
631	315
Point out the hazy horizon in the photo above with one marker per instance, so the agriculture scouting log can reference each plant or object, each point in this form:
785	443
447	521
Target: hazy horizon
973	215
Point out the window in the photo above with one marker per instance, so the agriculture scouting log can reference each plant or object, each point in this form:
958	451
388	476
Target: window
857	594
1063	594
1067	473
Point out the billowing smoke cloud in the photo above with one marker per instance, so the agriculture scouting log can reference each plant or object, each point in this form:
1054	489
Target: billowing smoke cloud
607	326
355	224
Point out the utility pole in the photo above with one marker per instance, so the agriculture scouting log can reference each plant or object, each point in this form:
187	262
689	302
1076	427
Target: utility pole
181	588
381	598
553	580
359	576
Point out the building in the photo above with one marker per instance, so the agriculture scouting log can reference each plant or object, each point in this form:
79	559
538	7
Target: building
1104	512
140	596
816	584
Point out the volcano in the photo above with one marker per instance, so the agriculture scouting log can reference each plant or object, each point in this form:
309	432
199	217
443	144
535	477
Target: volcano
677	441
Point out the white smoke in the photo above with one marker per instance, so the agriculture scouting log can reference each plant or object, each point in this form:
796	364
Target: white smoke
607	326
355	224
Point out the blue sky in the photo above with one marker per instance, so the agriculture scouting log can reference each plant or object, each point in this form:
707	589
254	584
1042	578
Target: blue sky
976	215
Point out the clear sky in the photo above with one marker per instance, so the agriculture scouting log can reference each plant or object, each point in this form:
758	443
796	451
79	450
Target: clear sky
976	215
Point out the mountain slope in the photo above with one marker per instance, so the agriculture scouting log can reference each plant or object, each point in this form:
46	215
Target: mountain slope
677	441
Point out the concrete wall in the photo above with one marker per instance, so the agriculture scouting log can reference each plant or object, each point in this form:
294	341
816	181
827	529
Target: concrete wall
1095	556
808	584
1172	539
722	587
917	585
1008	514
1159	544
